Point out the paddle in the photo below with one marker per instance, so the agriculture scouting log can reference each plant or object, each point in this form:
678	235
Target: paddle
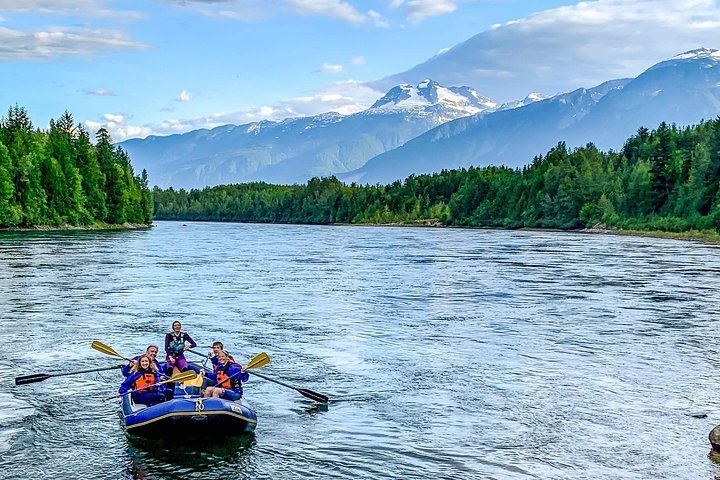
258	361
315	396
186	376
318	397
107	350
39	377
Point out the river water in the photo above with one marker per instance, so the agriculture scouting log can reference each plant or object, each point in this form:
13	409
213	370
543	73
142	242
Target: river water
447	353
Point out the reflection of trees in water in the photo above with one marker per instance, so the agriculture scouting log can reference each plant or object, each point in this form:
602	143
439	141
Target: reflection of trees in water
155	459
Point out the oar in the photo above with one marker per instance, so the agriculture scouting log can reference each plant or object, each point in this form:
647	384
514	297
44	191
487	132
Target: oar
39	377
315	396
186	376
107	350
259	360
318	397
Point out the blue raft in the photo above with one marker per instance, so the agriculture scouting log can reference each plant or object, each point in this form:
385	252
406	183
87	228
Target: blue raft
189	414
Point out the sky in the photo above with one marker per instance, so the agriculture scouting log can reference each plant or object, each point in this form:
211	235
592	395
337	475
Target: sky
159	67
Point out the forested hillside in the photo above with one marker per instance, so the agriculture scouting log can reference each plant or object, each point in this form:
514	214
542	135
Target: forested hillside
58	177
665	179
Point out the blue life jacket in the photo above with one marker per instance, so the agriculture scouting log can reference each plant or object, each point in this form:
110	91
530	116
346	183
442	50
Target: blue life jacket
177	344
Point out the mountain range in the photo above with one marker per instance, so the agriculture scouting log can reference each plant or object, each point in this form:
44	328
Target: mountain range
296	149
428	127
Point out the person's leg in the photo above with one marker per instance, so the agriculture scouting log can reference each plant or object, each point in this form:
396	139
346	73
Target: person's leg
181	363
217	392
209	392
148	398
231	395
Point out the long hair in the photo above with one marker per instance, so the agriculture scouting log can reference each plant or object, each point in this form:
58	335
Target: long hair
136	368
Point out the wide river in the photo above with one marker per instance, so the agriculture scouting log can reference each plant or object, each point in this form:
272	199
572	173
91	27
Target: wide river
447	353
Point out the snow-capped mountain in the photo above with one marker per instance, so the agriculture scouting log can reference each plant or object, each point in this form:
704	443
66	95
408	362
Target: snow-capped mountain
430	97
294	150
683	90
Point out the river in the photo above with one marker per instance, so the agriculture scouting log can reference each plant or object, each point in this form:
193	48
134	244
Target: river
447	353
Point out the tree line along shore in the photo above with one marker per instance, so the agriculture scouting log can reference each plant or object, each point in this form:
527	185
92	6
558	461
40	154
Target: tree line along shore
58	179
664	180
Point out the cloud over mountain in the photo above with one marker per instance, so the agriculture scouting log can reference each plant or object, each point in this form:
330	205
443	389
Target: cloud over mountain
569	47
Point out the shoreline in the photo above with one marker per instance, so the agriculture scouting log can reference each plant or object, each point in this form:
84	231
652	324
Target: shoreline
709	237
78	228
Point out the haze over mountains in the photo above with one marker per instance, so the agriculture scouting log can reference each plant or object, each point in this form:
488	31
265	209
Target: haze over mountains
430	127
296	149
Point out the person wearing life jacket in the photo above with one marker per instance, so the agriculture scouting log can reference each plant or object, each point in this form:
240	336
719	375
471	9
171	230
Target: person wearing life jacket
151	351
143	376
175	348
228	379
217	347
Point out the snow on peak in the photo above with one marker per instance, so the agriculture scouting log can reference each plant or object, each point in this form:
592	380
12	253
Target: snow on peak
462	101
699	53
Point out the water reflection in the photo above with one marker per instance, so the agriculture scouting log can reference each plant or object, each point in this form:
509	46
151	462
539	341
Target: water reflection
187	457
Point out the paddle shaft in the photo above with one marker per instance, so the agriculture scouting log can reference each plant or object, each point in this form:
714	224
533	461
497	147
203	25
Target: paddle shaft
318	397
39	377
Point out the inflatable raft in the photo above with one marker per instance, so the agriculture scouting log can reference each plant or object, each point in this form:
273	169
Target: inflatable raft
188	414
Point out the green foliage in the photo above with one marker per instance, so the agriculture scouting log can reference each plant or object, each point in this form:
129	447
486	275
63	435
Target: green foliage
57	177
666	179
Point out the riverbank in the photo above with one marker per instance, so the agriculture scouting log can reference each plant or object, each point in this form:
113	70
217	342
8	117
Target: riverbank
95	226
704	236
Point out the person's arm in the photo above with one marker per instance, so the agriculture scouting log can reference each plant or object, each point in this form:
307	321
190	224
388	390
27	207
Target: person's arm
237	369
160	367
126	369
167	345
189	339
126	385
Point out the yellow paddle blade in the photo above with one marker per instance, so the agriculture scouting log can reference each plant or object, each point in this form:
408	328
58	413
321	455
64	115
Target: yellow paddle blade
258	361
196	382
106	349
185	376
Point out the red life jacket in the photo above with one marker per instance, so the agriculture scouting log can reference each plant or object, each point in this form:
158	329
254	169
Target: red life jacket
145	380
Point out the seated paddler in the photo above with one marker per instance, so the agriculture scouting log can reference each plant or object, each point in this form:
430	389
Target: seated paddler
151	351
228	377
217	347
142	382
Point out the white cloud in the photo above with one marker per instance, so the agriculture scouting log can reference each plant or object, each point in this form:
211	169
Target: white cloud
117	127
358	61
343	97
81	8
100	92
574	46
61	42
327	8
184	96
378	20
329	68
417	10
116	118
254	10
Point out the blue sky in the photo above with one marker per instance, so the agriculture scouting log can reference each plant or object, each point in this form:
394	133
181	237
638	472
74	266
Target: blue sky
170	66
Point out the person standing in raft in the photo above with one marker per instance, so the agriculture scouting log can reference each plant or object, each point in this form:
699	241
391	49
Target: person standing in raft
228	377
175	348
151	351
144	376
